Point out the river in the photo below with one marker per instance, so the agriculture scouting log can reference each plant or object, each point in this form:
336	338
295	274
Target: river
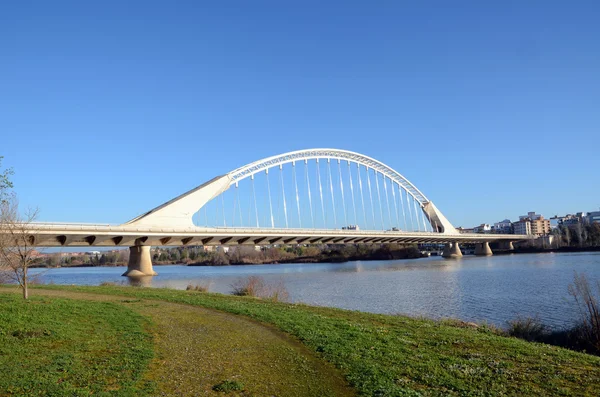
481	289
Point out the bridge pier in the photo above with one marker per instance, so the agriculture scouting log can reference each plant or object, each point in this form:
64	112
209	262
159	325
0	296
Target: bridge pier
452	250
140	262
483	249
506	245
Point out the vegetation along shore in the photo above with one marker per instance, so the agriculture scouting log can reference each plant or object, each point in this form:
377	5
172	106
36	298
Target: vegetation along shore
142	341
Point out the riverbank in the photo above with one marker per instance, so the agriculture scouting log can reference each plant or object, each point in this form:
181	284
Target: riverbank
270	256
136	347
397	355
293	255
535	250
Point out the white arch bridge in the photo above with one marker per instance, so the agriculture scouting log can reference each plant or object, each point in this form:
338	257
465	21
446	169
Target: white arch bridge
315	196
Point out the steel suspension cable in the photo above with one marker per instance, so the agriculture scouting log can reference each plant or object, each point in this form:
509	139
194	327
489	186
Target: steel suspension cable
216	224
416	215
283	194
331	189
312	218
342	189
379	200
270	201
400	190
223	207
409	211
362	200
387	200
371	197
250	205
321	194
352	192
423	218
297	198
239	207
235	196
395	203
255	205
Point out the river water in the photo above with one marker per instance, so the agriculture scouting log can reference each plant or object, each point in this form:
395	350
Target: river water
482	289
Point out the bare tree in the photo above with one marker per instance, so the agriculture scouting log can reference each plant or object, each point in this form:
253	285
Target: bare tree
5	183
589	308
16	244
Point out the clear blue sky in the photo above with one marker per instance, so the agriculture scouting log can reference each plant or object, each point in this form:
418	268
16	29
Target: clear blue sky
110	108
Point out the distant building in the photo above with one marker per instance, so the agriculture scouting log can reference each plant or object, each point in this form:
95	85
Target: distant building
523	226
503	227
461	229
540	226
351	227
532	216
483	228
573	219
537	226
593	217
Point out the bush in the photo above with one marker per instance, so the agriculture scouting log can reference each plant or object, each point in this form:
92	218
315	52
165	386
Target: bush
203	287
229	385
527	328
251	286
582	336
589	309
256	286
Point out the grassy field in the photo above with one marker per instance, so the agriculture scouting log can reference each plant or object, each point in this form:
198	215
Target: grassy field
196	351
384	355
59	347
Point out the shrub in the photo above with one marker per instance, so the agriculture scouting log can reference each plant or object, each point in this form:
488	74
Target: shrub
229	385
251	286
203	287
257	287
582	336
589	309
528	328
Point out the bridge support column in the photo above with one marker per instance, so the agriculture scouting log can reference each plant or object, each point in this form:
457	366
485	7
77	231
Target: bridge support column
483	249
140	262
452	250
506	245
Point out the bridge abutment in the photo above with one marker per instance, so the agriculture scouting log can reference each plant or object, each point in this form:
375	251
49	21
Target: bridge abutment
140	262
452	250
483	249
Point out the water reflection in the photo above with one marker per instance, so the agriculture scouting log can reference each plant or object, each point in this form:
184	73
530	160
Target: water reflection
140	281
493	289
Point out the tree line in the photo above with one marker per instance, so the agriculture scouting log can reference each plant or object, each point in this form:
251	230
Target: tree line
242	255
577	235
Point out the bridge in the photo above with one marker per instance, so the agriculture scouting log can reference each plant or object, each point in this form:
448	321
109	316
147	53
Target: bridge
318	196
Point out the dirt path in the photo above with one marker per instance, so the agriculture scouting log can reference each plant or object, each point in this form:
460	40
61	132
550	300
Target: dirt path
197	348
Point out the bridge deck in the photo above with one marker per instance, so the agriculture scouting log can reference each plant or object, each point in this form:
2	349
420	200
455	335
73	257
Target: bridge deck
86	235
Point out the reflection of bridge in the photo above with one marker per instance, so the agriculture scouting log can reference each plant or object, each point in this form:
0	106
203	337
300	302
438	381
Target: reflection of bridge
305	209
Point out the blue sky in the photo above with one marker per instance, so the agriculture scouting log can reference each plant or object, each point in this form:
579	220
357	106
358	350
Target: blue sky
108	109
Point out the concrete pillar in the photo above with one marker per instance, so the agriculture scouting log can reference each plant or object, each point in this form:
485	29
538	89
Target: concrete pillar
446	251
452	251
506	245
483	249
140	262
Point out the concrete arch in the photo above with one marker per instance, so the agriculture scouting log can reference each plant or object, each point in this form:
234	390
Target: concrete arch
178	212
331	154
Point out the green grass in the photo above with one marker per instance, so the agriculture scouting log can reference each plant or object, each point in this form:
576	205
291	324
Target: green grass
384	355
60	347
